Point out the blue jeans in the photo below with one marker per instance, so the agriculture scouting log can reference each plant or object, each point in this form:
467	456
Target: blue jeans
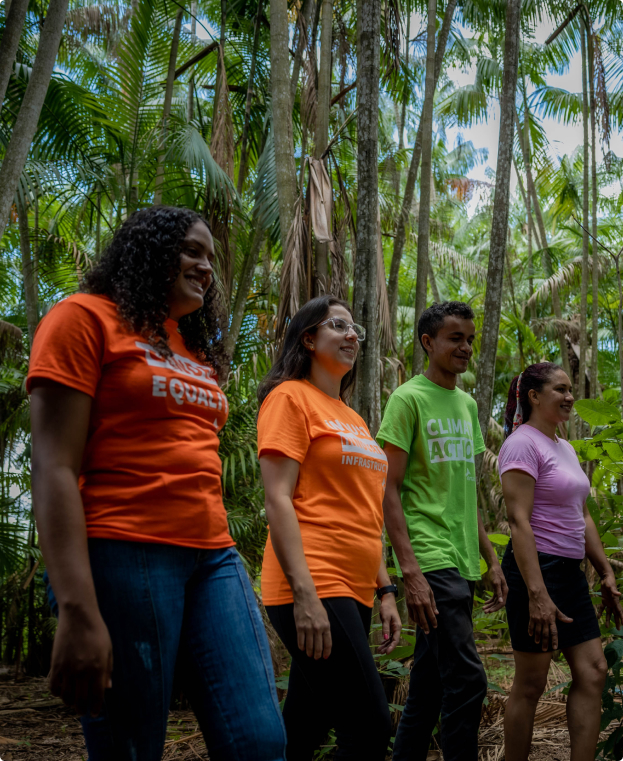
164	604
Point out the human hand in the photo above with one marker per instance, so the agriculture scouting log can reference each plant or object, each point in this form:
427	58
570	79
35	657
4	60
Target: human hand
420	601
500	589
392	624
81	661
543	617
313	629
610	596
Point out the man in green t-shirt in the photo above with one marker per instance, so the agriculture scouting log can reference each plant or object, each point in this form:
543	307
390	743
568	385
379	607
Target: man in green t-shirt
431	436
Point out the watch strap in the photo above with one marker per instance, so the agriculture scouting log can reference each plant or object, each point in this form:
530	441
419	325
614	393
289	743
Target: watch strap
385	590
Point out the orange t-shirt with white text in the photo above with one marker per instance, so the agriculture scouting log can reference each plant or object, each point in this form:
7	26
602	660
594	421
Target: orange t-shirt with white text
150	470
338	496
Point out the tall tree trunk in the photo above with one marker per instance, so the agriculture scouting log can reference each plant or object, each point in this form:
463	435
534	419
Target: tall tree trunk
321	138
407	201
497	250
244	142
620	326
166	111
285	168
244	285
367	397
190	106
28	271
309	7
28	117
595	388
423	232
581	388
541	237
15	17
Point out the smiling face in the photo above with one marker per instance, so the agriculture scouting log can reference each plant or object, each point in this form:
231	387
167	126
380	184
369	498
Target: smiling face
195	277
335	352
451	349
554	402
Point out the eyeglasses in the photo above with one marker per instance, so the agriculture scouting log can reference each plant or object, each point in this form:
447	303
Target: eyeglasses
341	326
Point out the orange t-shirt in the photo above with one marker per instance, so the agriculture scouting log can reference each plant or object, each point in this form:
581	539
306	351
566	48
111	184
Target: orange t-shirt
151	470
338	496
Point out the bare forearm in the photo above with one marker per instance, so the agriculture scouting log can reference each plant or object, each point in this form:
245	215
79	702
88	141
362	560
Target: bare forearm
396	526
62	533
524	548
594	548
382	577
485	546
285	535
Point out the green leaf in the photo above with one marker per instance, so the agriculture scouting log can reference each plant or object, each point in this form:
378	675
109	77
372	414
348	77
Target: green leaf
502	539
596	412
593	509
496	687
483	567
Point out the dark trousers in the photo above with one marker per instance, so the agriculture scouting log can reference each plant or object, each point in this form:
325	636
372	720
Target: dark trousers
447	678
343	692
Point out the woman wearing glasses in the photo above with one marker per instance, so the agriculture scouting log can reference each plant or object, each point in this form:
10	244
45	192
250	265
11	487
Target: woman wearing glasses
324	477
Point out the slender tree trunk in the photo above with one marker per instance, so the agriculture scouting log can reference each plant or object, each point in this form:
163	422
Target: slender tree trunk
244	142
285	168
309	7
190	106
423	234
367	400
497	249
581	389
407	201
541	236
166	111
244	285
28	271
15	17
28	117
321	138
595	388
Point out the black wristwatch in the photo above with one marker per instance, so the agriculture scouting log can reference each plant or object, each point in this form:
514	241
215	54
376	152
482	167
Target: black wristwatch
385	590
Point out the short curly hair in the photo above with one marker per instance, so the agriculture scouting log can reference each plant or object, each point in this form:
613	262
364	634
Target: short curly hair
137	271
432	318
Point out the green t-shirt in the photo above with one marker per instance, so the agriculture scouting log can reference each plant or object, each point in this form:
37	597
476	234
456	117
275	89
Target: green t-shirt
440	431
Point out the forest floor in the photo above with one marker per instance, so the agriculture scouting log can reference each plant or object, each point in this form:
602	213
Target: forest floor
34	726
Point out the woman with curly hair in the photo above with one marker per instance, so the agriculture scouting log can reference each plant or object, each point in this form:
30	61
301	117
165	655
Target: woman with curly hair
127	497
549	605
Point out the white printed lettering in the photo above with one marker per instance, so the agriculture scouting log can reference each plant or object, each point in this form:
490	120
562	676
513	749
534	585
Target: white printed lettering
176	389
159	385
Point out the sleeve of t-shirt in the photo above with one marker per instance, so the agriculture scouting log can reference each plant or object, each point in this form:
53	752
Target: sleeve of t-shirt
282	427
399	423
519	453
479	444
68	348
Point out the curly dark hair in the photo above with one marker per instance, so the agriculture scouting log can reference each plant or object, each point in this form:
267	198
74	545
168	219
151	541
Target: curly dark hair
137	271
294	361
432	318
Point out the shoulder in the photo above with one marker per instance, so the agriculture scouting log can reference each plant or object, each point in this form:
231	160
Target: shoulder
286	394
407	393
468	400
519	445
83	306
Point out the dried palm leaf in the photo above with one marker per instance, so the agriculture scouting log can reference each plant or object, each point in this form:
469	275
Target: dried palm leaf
392	34
309	95
566	277
489	458
447	255
222	143
339	268
601	92
292	272
320	201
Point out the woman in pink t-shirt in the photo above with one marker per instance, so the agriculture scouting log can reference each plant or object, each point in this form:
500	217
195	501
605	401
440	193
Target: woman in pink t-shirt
549	605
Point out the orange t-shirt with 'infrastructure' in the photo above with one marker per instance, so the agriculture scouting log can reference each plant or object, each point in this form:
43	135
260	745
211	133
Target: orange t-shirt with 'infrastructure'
150	470
338	496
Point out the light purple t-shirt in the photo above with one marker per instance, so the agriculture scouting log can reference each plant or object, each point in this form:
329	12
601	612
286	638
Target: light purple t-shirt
559	492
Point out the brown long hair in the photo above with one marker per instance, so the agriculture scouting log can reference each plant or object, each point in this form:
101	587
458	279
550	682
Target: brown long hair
533	377
294	361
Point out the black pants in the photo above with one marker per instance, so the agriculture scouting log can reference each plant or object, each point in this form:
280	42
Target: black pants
447	678
343	692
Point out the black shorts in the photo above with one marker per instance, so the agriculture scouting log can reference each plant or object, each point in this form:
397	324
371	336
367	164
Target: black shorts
567	586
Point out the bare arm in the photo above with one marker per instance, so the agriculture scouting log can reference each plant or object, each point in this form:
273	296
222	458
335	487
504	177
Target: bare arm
82	654
518	488
388	612
496	576
595	553
312	623
419	595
